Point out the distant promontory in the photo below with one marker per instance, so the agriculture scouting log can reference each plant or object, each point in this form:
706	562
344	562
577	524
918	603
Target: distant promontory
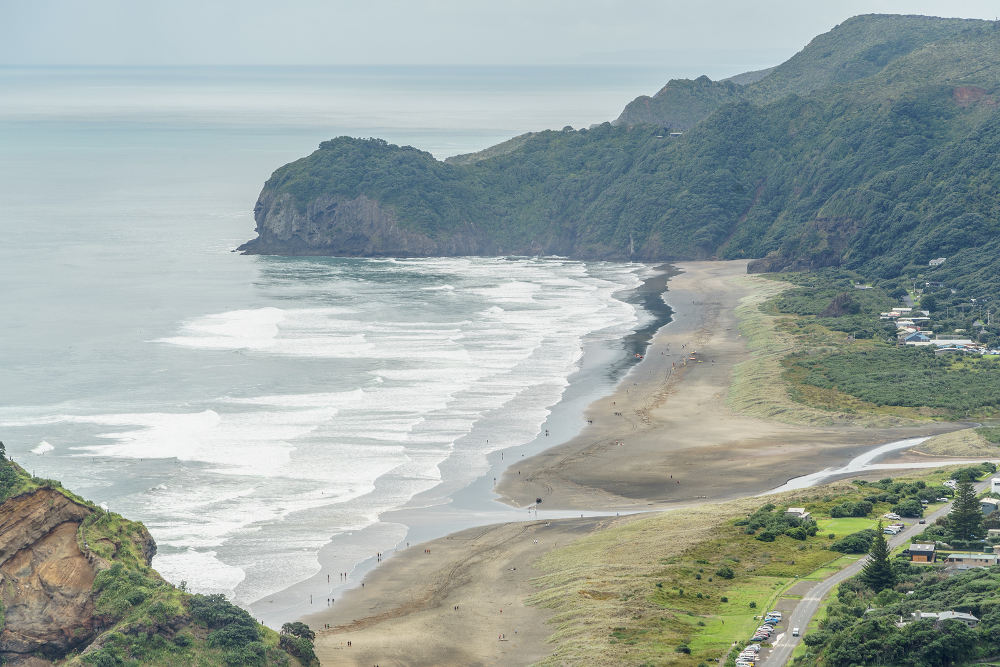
873	148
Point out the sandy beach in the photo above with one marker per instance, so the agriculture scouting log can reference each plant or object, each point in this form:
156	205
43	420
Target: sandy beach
664	438
458	600
680	442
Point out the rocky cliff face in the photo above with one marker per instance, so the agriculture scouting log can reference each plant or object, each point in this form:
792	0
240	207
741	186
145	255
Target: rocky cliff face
358	227
46	578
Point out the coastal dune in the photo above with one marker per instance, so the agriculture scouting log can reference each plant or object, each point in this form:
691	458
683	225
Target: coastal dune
457	600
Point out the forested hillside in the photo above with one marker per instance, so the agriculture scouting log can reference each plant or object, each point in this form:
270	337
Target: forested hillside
873	148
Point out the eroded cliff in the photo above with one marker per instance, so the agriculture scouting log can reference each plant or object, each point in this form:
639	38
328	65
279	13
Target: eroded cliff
47	577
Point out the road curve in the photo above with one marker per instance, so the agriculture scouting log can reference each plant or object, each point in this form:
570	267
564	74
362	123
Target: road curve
781	652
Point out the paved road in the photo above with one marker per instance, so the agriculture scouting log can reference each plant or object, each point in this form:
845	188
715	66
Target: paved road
807	607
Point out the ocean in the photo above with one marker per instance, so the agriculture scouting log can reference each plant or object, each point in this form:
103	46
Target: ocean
249	410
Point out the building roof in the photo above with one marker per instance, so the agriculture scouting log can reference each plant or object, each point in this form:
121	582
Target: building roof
956	615
971	556
922	547
991	501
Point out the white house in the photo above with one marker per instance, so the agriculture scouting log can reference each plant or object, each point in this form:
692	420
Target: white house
941	616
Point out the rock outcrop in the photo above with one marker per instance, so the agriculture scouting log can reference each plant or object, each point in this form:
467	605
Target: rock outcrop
46	578
352	227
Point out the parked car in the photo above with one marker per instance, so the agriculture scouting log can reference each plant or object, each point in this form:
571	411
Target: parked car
942	500
891	515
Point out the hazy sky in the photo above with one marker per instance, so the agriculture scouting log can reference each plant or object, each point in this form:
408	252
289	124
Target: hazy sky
717	37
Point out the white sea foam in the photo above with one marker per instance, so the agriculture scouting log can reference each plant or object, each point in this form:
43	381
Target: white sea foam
42	447
422	380
179	567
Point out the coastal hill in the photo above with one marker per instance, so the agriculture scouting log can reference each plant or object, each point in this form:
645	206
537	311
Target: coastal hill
77	589
873	148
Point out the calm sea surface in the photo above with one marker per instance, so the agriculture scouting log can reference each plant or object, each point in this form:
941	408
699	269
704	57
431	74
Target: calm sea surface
249	409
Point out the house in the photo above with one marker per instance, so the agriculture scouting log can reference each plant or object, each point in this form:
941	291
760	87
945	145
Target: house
993	533
942	616
953	342
797	512
967	561
989	505
916	337
937	261
921	553
995	485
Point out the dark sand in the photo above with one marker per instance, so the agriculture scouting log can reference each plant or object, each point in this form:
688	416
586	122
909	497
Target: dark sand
681	445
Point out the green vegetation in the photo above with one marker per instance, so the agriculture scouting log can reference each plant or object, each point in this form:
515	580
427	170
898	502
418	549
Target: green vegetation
965	521
839	357
877	573
990	433
872	149
771	522
911	377
636	592
860	625
855	543
147	620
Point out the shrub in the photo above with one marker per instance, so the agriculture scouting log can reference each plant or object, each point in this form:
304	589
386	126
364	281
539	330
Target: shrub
911	507
855	543
725	572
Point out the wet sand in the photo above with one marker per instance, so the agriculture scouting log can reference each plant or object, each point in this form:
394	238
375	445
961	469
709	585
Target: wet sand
680	445
681	442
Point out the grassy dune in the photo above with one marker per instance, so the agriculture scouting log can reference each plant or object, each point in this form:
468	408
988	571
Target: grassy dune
767	386
635	593
967	442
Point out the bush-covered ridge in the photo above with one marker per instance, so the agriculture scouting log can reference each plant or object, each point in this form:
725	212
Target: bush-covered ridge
143	619
873	148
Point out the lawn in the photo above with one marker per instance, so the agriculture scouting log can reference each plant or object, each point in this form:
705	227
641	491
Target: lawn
822	573
733	620
844	526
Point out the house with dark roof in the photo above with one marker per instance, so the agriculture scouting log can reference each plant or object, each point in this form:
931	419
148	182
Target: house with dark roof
921	553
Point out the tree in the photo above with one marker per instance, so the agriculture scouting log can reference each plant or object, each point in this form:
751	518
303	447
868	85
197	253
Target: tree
877	572
966	516
298	629
911	507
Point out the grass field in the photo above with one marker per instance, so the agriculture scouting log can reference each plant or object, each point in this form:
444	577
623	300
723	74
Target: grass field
844	526
762	387
636	593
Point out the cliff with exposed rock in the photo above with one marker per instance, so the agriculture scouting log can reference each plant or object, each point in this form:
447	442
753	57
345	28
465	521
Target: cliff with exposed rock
77	588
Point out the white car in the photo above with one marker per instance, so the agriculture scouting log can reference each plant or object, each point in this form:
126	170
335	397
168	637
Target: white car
891	515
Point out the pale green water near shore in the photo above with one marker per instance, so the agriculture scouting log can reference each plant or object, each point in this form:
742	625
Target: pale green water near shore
250	408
